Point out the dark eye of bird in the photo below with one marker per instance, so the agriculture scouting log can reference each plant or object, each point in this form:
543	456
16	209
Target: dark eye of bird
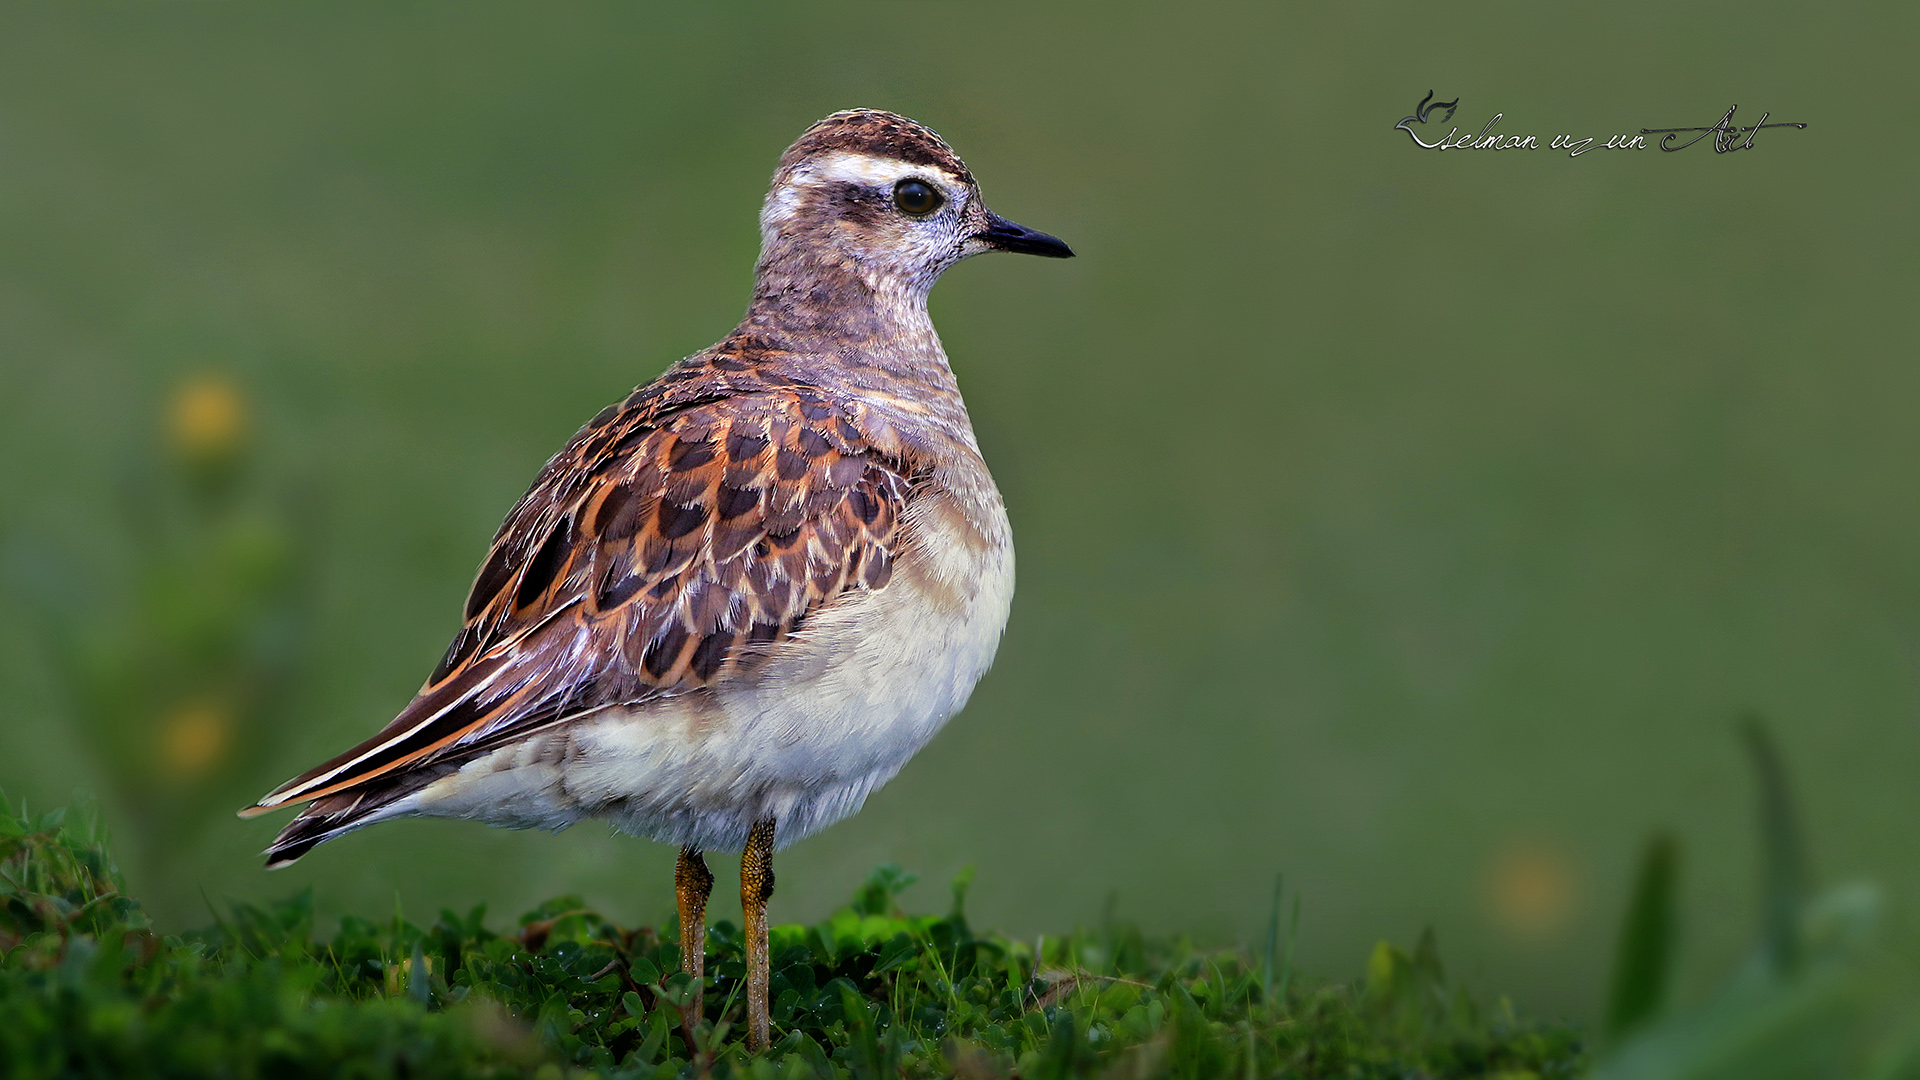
916	197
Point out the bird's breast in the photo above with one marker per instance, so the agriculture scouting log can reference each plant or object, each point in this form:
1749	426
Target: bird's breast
806	735
870	679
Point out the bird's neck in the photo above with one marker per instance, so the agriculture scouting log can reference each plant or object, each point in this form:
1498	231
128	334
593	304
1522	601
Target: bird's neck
825	304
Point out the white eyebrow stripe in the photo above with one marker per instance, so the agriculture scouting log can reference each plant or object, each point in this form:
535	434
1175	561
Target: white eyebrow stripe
844	167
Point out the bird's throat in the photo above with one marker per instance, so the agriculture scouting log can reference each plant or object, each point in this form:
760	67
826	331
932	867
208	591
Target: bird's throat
819	304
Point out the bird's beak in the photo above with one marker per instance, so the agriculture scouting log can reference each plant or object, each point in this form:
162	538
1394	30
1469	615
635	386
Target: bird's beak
1003	235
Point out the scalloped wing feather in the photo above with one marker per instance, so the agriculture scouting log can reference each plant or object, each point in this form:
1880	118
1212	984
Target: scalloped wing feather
665	549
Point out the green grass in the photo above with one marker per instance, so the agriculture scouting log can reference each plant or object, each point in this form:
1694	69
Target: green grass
88	988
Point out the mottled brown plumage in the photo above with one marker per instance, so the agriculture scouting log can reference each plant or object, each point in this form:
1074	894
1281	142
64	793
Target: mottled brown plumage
683	539
742	597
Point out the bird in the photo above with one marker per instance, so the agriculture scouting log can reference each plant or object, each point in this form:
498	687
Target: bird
741	598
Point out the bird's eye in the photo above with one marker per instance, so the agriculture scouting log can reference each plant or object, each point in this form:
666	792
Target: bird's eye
916	197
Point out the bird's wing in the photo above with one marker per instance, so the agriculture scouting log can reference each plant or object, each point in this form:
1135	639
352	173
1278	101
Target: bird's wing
662	551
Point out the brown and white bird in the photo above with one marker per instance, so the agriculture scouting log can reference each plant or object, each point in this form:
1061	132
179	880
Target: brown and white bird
739	600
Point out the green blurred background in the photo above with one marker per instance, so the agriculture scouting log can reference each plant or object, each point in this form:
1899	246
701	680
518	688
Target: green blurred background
1414	523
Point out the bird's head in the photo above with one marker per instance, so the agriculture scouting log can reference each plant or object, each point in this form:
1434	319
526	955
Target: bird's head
885	197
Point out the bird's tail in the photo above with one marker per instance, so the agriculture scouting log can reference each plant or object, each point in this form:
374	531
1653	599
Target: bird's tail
341	813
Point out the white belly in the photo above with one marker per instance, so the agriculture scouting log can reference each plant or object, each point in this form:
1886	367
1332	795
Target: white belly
802	739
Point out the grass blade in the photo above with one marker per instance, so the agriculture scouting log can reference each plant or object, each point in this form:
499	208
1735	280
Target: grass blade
1784	871
1644	959
1273	941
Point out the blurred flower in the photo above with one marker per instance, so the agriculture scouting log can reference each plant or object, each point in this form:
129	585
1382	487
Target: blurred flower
206	419
1530	889
194	738
187	642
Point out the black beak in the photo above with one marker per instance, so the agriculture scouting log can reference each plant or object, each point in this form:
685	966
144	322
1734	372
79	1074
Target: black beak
1006	236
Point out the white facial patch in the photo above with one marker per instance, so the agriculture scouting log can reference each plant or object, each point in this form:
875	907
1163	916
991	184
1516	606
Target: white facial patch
843	167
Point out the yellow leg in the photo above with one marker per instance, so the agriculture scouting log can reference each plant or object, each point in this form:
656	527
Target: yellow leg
756	887
692	882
